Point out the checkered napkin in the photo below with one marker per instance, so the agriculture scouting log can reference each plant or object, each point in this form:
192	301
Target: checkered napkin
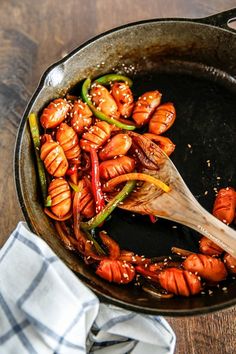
44	308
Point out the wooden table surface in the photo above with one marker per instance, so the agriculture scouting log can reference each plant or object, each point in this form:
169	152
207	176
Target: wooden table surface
33	35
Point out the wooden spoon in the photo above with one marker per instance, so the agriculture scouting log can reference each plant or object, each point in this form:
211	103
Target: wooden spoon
179	204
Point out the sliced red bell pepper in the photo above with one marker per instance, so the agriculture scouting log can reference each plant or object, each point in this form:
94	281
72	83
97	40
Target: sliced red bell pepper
72	172
79	233
76	214
153	219
96	184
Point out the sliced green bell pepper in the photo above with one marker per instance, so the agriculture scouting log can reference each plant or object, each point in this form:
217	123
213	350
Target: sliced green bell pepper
34	130
107	79
108	209
85	96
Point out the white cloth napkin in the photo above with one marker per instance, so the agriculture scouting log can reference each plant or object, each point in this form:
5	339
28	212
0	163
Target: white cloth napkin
45	308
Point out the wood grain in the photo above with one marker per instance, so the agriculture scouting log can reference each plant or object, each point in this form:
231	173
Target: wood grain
33	35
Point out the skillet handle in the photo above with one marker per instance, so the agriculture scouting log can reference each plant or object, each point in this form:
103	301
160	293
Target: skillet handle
225	20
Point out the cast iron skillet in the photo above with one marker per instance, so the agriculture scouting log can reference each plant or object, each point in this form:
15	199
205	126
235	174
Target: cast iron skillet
193	63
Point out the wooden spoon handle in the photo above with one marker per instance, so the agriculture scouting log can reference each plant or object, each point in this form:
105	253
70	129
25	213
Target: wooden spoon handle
197	218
